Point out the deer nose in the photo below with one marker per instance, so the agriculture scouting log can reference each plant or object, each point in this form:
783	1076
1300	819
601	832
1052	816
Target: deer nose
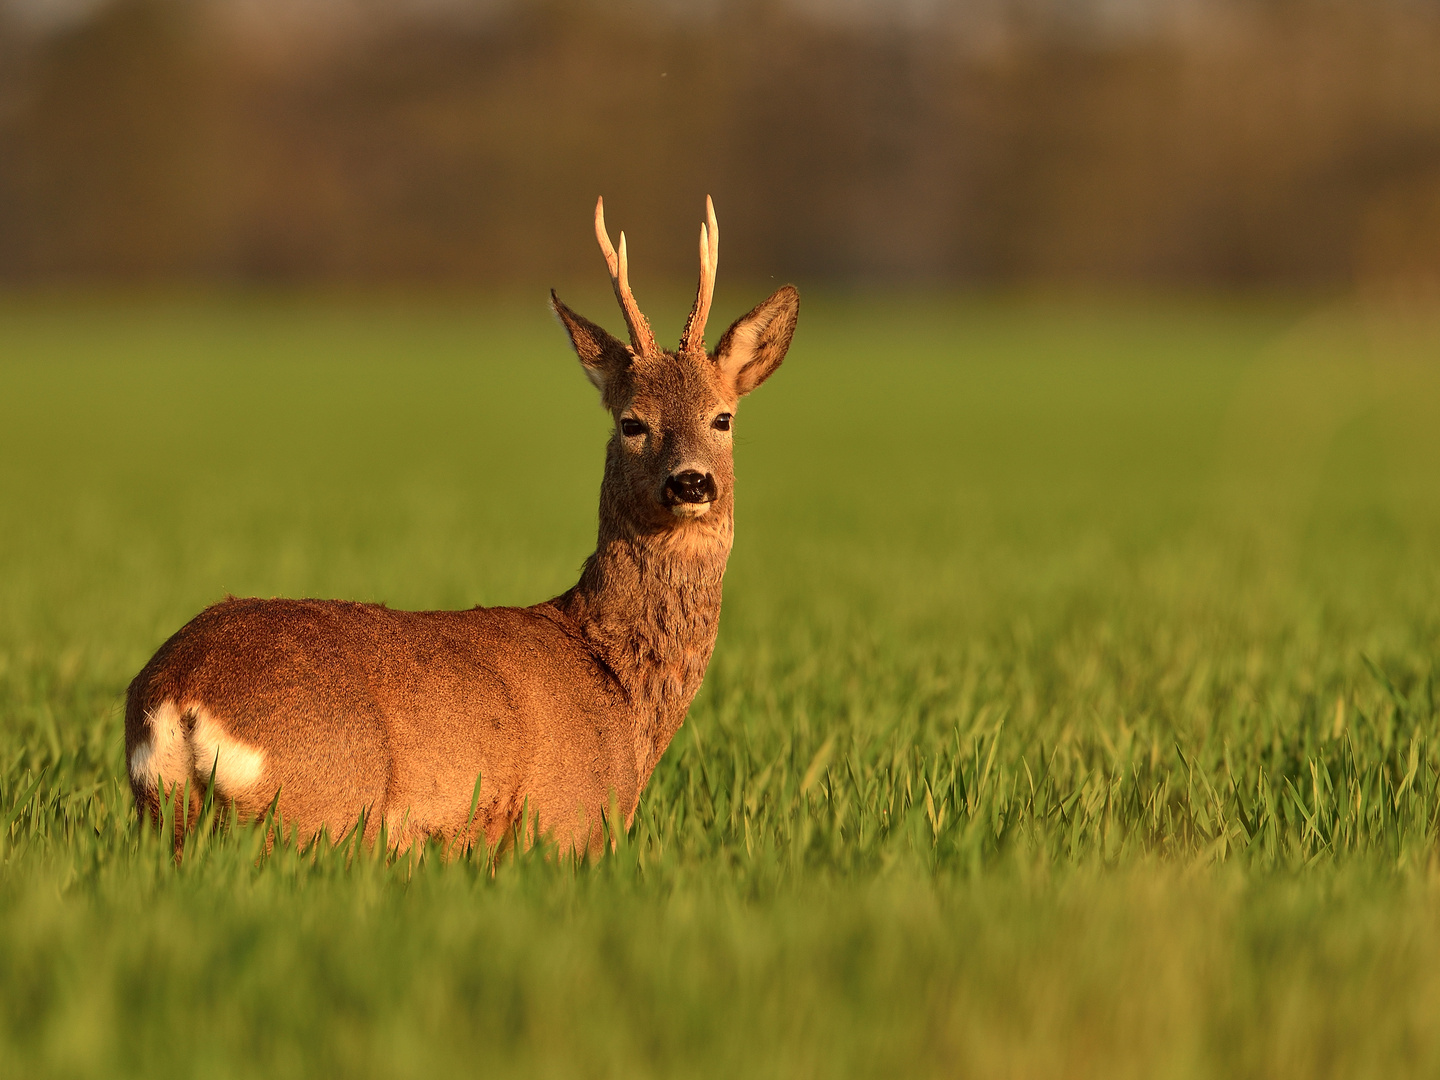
690	487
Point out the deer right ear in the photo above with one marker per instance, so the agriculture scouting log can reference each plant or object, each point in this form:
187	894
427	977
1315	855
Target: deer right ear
601	354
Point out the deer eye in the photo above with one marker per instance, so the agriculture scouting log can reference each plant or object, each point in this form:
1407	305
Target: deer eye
630	427
721	422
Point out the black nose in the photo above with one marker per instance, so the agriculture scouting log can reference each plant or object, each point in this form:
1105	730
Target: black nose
690	487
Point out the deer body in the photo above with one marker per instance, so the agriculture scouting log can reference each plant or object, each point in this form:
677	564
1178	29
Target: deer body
333	710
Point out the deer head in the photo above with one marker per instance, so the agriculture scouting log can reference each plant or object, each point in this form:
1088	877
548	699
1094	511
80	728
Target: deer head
669	460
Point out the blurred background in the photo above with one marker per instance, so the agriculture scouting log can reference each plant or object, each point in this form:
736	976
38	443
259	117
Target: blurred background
1180	143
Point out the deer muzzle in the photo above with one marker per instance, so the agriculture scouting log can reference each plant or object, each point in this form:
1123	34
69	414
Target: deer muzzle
689	493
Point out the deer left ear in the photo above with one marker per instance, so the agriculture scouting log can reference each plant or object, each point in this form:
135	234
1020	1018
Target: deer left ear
756	343
603	356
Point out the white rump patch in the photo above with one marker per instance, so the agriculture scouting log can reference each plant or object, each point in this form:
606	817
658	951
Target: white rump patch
237	765
167	754
175	756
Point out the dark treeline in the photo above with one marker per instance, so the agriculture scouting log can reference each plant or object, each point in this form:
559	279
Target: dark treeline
1259	142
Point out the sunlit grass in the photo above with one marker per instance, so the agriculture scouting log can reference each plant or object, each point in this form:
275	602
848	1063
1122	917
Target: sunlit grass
1073	712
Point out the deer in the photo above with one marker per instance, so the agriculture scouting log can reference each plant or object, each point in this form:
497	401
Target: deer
474	726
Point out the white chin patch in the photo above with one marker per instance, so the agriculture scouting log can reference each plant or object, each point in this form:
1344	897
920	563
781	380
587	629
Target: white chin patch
690	510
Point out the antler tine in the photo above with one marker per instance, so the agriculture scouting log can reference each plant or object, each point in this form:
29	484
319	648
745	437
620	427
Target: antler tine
642	339
714	236
693	338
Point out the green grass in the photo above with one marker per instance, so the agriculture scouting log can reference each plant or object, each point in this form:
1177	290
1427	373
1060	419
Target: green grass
1073	714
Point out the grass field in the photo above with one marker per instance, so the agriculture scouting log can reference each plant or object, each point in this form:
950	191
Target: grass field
1073	714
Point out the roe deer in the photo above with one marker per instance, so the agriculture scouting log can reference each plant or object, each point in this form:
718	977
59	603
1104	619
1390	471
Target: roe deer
338	712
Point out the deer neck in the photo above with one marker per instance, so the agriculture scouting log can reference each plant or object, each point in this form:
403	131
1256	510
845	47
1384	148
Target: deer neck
648	604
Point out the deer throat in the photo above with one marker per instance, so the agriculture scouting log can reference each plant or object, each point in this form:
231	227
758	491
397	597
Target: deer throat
649	605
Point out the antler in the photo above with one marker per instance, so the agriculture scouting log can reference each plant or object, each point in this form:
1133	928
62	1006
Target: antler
642	339
693	336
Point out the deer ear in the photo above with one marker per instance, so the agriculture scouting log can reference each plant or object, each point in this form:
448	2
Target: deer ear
755	343
601	354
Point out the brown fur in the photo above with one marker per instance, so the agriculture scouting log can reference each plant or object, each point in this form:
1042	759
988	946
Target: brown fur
330	709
